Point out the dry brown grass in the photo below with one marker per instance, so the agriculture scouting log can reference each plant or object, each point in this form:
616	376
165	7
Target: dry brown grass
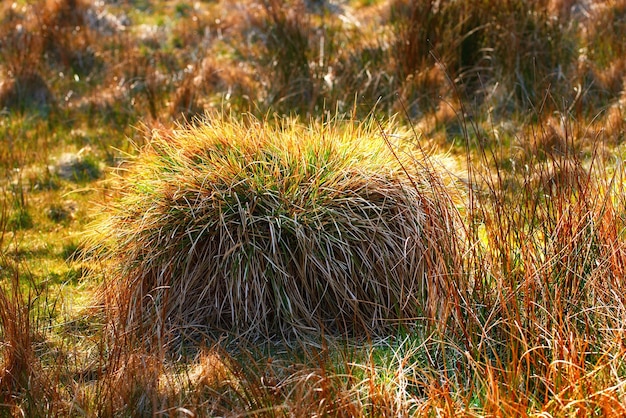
27	90
263	228
26	388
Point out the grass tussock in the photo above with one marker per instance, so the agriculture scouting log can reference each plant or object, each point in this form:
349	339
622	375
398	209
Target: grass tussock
271	227
27	90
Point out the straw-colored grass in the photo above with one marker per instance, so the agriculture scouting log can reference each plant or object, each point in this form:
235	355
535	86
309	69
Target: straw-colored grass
265	228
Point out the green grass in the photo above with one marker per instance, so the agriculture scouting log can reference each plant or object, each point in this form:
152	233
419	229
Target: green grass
508	117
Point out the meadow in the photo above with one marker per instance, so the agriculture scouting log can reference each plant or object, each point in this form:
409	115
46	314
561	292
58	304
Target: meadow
312	208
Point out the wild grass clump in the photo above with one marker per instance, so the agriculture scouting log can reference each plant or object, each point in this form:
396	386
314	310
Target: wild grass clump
524	47
288	49
270	227
47	32
296	55
25	387
26	91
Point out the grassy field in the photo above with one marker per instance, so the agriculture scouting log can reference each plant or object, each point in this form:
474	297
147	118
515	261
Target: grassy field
312	208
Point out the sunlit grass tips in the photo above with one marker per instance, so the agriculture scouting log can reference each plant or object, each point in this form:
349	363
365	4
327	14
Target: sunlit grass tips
271	228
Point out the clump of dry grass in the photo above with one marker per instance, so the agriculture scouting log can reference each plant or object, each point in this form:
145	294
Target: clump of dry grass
266	227
198	84
521	46
54	31
25	387
27	90
16	348
35	39
296	56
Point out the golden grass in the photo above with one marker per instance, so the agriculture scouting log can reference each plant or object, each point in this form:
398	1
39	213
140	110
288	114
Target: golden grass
265	227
